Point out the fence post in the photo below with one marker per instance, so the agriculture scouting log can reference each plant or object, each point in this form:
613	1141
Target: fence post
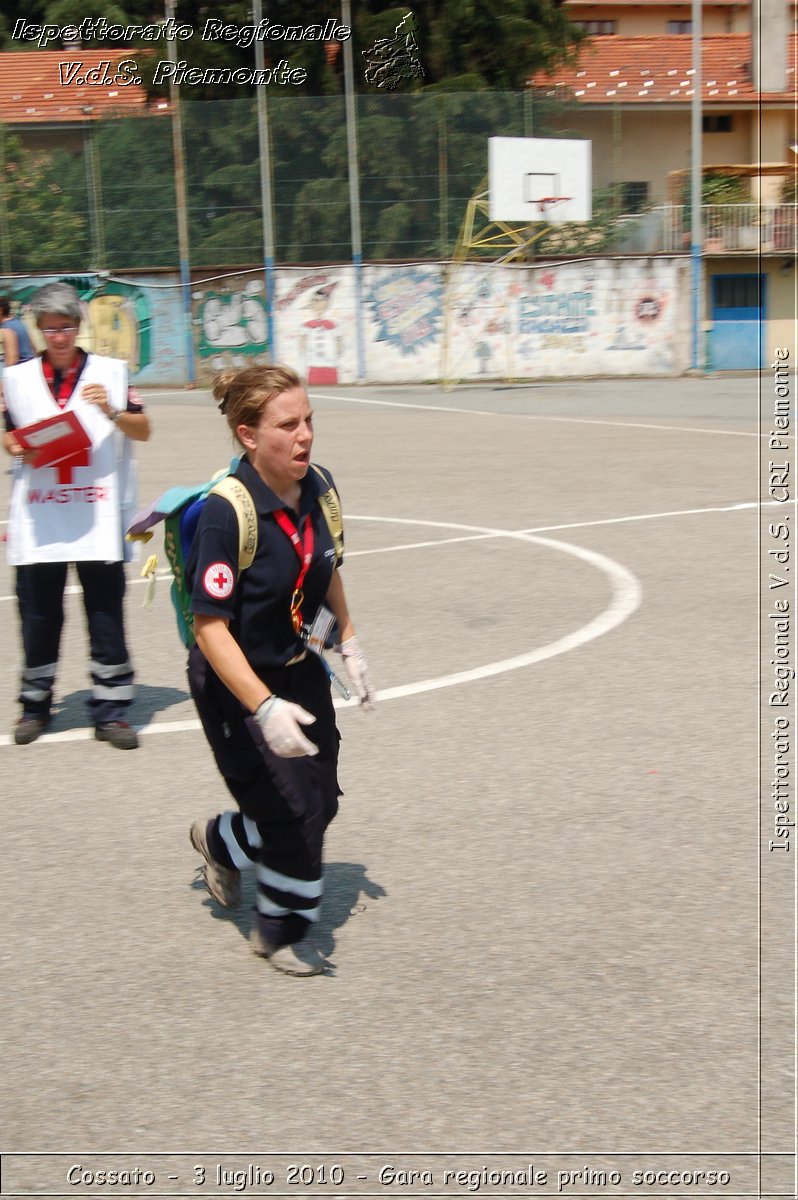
267	216
443	178
5	238
354	193
180	198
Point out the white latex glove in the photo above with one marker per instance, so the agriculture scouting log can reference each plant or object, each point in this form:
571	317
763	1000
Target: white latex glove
358	671
280	721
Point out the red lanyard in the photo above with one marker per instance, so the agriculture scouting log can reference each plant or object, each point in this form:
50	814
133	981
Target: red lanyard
305	552
62	392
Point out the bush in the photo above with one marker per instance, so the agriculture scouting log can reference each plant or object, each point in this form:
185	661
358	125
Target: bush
789	187
720	189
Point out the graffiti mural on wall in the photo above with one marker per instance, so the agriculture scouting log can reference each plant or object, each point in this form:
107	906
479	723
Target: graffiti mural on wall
121	324
231	327
640	319
315	318
560	312
117	320
615	315
406	307
421	322
320	342
476	320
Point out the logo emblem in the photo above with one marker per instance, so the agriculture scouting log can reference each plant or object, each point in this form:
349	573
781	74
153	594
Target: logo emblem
218	581
392	59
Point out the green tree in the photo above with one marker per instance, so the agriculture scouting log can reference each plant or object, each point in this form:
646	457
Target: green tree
138	192
463	45
64	13
422	147
39	227
483	44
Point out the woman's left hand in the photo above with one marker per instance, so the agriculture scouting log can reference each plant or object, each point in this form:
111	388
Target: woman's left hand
358	671
96	394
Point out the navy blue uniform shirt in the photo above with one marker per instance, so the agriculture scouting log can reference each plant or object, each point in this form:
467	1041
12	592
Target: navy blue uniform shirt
257	602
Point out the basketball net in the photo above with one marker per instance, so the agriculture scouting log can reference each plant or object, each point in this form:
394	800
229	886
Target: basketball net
547	202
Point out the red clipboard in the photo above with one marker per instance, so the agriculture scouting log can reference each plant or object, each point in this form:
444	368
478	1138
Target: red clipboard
55	439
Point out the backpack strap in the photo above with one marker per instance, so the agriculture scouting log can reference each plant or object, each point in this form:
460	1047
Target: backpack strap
235	493
330	503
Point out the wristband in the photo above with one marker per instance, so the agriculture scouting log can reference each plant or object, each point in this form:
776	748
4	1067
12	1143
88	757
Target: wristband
114	415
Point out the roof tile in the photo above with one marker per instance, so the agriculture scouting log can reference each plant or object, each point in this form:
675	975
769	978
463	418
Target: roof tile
32	91
726	64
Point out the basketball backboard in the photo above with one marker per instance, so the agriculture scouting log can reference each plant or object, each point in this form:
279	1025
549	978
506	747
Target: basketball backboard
539	179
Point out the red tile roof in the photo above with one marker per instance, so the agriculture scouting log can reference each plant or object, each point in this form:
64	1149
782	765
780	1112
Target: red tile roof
657	4
658	70
31	87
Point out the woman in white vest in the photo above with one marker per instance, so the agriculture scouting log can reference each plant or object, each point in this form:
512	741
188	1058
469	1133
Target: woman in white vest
75	511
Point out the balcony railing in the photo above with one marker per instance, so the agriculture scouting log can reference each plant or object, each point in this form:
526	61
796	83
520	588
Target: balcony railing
728	229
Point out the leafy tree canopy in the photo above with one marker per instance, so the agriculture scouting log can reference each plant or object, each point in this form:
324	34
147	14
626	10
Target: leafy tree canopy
45	229
463	45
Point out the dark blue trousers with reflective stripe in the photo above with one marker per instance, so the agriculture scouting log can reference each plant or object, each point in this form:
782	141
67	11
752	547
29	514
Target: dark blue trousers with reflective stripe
40	595
285	804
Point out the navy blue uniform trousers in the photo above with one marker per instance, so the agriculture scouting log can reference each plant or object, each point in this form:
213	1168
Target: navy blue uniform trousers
287	802
40	595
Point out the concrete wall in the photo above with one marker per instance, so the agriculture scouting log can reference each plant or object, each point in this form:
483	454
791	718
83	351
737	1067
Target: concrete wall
423	322
138	319
780	328
770	138
630	145
637	22
430	322
769	46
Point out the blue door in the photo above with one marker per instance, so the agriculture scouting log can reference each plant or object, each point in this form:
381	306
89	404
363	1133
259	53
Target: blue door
738	314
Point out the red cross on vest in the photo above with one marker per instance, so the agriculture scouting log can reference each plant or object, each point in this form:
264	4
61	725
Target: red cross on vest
64	469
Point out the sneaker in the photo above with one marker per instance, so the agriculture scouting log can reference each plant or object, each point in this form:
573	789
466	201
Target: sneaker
28	728
118	733
300	958
223	883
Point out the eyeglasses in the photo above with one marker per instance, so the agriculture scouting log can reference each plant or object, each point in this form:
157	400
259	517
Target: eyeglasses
65	329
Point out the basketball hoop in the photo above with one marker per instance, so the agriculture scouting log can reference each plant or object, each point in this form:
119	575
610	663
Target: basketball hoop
547	202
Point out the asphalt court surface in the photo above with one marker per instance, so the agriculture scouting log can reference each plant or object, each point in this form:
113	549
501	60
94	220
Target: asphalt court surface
541	889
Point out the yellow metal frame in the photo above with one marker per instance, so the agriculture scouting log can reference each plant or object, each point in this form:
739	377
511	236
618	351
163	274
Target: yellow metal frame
494	235
504	242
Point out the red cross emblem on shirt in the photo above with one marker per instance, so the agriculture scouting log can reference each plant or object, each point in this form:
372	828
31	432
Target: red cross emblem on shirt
218	581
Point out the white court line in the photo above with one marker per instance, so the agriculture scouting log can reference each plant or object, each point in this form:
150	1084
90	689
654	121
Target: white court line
630	591
74	589
626	597
482	412
683	512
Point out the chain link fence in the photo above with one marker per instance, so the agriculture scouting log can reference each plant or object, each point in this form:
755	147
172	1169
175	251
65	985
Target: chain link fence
112	193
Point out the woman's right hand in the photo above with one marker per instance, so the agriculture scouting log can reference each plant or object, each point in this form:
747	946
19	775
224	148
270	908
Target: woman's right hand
280	721
12	447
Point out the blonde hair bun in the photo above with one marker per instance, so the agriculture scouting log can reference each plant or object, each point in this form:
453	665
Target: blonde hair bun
243	394
221	384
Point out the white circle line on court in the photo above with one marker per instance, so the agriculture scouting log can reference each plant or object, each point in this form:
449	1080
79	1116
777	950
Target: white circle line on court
75	589
626	598
485	412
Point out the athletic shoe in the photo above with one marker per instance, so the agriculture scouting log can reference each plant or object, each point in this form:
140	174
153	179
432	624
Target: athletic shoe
28	728
298	959
223	883
118	733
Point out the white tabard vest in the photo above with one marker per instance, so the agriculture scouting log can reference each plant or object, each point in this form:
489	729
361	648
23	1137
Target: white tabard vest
78	513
